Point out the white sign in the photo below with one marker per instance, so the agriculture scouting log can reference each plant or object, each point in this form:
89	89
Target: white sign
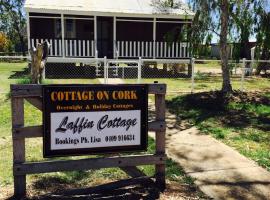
77	130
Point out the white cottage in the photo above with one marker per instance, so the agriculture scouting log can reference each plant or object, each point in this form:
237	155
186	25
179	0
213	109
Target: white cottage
127	29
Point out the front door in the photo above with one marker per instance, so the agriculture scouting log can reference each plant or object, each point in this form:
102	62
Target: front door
105	37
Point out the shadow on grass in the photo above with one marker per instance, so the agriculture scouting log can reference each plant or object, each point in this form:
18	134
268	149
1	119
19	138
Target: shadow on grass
67	178
20	74
238	110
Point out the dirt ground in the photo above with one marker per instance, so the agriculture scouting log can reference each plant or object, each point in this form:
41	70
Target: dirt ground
174	191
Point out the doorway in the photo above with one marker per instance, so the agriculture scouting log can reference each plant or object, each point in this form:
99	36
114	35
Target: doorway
105	36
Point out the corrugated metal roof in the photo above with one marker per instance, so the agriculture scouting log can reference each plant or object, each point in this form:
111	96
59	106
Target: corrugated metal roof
143	7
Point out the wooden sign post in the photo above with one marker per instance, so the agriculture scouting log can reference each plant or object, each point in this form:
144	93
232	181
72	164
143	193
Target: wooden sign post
34	95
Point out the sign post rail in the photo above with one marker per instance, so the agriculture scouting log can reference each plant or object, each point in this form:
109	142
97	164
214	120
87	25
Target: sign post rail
128	163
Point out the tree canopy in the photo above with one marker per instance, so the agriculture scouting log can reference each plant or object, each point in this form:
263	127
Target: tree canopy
13	22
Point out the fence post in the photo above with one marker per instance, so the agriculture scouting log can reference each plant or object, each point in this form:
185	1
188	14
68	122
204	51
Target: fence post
123	72
97	64
106	71
139	70
243	74
18	145
192	74
160	141
44	73
117	65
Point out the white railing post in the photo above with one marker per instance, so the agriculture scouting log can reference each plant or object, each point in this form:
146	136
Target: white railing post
166	50
56	48
243	74
122	49
60	47
151	49
87	48
51	49
80	46
139	48
146	49
157	50
130	48
184	50
143	49
180	50
126	47
75	48
139	70
66	48
83	48
134	48
192	60
92	48
173	55
161	50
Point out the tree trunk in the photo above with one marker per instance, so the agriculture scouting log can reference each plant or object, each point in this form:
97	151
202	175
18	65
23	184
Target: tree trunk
39	57
226	85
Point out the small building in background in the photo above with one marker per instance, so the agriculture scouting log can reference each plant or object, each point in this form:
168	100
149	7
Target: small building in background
233	50
215	51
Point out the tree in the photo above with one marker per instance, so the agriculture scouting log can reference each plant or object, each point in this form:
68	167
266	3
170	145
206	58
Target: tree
224	20
263	35
13	21
214	16
39	58
4	42
243	16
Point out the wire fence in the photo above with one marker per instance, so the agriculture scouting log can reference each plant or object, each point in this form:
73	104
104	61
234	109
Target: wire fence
181	76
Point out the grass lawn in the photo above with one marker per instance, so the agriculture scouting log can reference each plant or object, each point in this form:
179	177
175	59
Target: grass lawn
205	82
43	183
241	121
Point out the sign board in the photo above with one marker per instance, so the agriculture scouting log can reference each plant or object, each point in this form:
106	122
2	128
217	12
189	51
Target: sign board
89	119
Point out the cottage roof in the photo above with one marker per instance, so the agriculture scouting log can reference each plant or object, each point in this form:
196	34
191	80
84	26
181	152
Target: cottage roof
136	8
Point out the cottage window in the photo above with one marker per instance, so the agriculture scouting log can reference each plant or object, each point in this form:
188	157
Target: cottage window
57	26
70	29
